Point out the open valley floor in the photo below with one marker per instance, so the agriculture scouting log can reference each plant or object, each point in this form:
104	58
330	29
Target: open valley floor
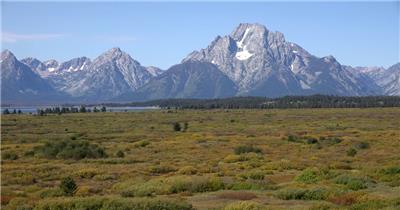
203	159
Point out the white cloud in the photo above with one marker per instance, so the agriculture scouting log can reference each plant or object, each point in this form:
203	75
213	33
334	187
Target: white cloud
7	37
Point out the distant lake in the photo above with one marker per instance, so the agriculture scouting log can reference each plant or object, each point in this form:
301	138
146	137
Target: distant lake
33	109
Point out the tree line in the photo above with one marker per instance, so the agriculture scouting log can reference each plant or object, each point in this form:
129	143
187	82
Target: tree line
314	101
59	110
64	110
7	111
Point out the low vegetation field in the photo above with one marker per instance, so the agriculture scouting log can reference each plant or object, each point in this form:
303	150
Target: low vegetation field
203	159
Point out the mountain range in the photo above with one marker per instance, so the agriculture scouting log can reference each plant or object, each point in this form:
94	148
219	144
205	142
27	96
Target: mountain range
251	61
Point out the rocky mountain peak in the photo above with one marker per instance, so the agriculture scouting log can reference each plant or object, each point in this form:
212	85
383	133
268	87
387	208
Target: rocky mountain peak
32	61
7	55
34	64
115	50
330	58
244	29
115	55
53	64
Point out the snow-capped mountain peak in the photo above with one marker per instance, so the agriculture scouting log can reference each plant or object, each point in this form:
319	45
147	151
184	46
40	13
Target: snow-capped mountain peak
262	62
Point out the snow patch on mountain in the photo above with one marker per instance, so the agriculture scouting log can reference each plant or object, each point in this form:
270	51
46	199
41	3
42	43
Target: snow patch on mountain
240	43
243	55
304	85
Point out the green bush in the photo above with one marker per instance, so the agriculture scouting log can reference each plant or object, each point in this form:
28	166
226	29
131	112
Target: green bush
172	185
120	154
335	140
351	182
330	140
351	152
143	189
303	139
244	205
389	174
185	126
308	176
292	138
188	170
302	194
312	140
9	156
377	204
247	149
68	186
142	143
86	173
196	184
19	204
29	153
252	185
69	149
391	170
162	169
25	179
112	203
51	192
256	175
104	177
362	145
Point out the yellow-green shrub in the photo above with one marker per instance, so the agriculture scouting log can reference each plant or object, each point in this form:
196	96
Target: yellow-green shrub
244	205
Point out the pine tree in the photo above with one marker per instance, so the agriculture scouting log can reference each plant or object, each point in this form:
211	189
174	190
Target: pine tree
68	186
185	126
82	109
177	126
6	111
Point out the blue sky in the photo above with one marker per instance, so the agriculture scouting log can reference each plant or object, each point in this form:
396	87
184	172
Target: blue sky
163	33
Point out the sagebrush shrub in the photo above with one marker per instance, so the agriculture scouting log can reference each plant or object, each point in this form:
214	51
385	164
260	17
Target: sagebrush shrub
308	176
351	182
244	205
162	169
351	152
247	149
9	156
70	149
120	154
362	145
302	194
113	203
142	143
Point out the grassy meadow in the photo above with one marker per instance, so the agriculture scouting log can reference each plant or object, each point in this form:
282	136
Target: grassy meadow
214	159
